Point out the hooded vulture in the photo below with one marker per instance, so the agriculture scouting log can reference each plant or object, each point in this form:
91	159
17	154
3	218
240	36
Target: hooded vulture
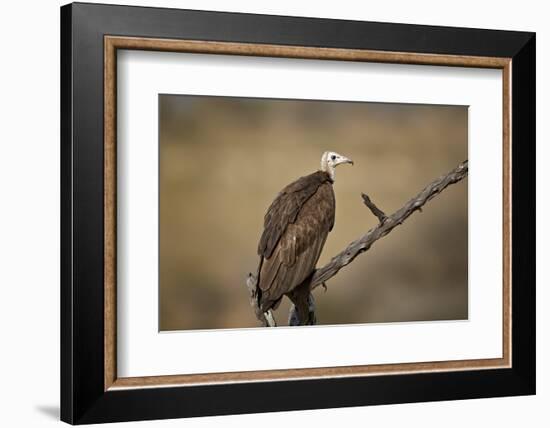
296	226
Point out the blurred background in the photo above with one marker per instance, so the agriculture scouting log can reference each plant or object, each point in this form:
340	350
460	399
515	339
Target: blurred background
224	159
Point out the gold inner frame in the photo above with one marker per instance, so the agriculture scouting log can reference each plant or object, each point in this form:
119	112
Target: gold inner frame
112	43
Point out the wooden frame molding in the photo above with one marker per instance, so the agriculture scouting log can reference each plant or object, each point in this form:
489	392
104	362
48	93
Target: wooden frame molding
113	43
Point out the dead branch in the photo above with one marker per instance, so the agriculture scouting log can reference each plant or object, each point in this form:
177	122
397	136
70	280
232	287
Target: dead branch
364	243
374	209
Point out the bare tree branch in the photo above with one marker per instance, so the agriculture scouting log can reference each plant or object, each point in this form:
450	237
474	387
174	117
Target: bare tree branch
374	209
303	310
382	229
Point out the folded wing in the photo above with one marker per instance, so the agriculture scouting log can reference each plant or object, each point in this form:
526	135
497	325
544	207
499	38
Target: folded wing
295	230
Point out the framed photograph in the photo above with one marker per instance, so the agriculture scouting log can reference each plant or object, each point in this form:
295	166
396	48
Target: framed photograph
266	213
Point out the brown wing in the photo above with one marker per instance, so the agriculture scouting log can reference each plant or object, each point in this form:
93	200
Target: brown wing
285	209
295	254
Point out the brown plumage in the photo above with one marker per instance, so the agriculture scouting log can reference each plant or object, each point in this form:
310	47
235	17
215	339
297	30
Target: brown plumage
296	226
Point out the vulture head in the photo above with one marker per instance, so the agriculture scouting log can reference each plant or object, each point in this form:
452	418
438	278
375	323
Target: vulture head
330	160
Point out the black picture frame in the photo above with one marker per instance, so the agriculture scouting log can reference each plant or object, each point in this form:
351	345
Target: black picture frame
83	398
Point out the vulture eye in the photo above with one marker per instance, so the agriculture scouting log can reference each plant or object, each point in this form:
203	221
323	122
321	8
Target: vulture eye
333	157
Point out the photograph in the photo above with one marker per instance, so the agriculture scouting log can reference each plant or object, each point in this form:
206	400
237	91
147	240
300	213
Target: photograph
257	195
272	210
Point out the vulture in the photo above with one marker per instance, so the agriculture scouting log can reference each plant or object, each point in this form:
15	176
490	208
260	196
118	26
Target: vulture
296	226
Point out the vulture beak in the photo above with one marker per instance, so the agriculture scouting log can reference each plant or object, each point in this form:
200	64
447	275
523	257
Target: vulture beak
344	160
